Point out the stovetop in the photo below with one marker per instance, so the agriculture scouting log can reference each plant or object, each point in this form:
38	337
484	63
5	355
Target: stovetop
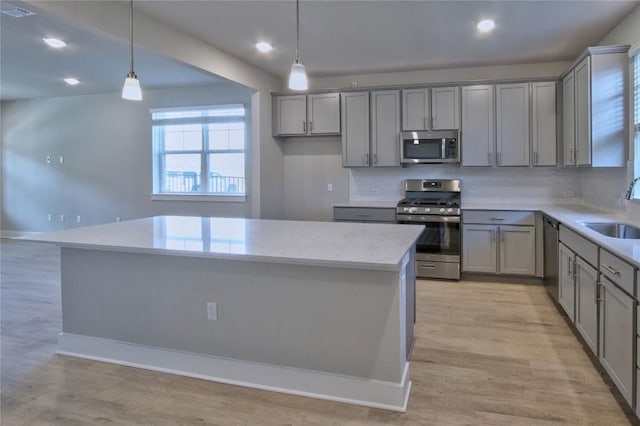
421	202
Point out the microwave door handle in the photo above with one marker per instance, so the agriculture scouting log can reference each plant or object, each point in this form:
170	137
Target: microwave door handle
444	147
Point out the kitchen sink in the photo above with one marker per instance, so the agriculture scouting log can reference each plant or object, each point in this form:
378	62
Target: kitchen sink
614	230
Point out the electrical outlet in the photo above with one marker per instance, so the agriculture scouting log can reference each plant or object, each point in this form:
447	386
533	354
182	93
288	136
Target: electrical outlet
48	159
49	217
117	218
330	187
212	310
61	159
569	194
61	218
78	219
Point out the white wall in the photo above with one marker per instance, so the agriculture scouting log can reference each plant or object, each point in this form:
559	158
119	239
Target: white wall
106	144
606	188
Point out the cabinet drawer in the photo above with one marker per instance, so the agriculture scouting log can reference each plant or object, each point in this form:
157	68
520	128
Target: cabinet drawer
499	217
583	247
617	270
364	214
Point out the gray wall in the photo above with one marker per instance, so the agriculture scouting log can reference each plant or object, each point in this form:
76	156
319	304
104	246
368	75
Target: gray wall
107	149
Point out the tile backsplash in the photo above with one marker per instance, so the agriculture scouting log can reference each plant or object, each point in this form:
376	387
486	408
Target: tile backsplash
527	184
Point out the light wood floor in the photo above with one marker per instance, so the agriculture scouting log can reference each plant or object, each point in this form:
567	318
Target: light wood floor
486	354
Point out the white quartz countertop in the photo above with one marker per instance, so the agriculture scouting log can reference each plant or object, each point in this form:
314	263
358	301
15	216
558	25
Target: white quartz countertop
350	245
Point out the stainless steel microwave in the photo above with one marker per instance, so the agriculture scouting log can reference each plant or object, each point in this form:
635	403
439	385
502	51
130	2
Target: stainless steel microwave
437	146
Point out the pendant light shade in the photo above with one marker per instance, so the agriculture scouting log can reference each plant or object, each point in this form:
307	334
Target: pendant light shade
298	76
131	89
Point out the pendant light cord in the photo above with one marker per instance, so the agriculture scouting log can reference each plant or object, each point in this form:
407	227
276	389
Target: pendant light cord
131	32
297	31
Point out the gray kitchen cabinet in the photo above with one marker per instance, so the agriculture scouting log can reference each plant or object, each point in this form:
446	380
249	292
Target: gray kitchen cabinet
586	300
543	123
594	108
355	129
617	336
385	128
566	281
479	252
437	108
302	115
371	129
364	214
478	125
291	115
507	248
512	124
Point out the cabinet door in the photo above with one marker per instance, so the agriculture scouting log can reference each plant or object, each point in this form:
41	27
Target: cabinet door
479	248
616	336
586	303
385	128
568	119
543	123
355	129
445	108
292	115
512	124
518	250
324	113
566	285
583	112
415	109
478	132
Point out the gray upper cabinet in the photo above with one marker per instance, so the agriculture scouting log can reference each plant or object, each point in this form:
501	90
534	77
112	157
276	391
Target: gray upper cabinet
595	108
437	108
543	124
302	115
291	115
415	109
512	124
385	128
355	129
478	125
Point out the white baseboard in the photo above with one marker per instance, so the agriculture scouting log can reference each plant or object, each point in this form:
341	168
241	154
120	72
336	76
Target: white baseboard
334	387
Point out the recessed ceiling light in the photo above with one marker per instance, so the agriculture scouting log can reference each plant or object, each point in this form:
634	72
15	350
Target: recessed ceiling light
264	47
71	81
54	42
486	25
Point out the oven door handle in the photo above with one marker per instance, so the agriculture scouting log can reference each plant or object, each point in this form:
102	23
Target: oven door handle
427	218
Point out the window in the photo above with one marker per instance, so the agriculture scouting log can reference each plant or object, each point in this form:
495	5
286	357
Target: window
636	115
199	150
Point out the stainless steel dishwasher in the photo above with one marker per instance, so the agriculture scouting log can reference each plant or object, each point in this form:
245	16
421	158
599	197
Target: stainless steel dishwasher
551	256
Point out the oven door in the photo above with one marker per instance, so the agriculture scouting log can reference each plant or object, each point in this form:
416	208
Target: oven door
440	240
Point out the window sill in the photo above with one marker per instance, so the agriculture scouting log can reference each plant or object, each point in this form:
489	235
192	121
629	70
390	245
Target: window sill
200	198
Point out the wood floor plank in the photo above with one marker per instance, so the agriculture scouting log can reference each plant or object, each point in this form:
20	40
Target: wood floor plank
485	354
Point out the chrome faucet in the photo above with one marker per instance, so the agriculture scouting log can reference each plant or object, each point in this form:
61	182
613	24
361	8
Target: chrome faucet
627	195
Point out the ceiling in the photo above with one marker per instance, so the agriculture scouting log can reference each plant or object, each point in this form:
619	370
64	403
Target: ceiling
337	37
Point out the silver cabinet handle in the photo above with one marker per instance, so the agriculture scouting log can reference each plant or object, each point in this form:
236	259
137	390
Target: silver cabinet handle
375	158
535	157
304	126
569	267
610	269
311	126
598	292
363	215
497	218
428	266
595	292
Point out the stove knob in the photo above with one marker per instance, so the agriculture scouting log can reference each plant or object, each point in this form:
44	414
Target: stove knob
413	209
449	210
442	210
427	210
405	209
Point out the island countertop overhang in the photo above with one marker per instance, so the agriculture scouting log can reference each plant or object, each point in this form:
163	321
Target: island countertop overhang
346	245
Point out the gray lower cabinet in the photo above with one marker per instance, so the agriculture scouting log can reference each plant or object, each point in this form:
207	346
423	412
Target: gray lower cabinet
508	248
586	319
364	214
617	336
566	281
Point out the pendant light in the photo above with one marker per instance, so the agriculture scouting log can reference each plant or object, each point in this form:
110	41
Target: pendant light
131	89
298	77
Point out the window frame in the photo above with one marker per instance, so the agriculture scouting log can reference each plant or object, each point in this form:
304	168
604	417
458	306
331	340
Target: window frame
159	154
635	115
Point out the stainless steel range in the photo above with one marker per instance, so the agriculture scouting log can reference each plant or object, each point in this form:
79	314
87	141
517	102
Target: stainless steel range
434	204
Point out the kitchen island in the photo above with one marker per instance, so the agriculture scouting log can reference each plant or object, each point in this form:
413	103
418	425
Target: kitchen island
319	309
